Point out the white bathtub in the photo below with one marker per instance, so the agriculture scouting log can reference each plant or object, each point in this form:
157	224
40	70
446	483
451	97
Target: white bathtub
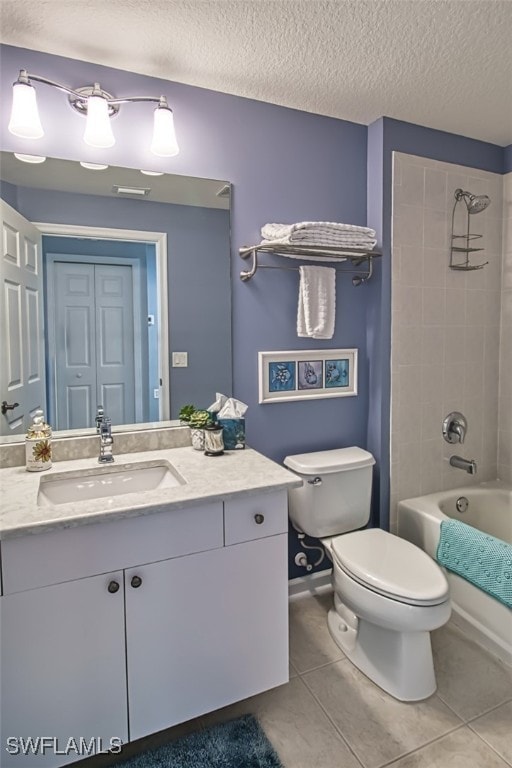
489	510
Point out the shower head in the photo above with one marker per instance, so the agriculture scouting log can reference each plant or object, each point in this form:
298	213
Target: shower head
474	203
478	203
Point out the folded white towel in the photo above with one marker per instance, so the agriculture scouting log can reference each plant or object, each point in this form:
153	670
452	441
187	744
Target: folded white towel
327	234
317	302
327	250
274	231
320	257
325	242
324	235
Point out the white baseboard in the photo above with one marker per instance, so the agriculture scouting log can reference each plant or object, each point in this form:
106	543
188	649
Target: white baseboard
311	584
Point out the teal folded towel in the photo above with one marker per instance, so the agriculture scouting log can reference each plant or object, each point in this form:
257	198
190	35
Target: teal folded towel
483	560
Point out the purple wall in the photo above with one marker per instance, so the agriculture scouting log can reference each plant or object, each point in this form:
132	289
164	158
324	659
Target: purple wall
9	193
378	330
288	166
507	162
439	145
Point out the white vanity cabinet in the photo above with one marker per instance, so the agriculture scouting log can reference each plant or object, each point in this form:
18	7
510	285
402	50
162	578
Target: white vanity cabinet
62	667
204	631
192	627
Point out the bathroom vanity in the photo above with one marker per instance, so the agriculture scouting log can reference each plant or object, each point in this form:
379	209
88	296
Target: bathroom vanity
124	615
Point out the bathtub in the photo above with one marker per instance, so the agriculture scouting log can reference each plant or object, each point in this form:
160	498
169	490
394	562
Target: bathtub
489	510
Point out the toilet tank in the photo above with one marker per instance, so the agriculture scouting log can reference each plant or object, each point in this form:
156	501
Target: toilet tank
335	496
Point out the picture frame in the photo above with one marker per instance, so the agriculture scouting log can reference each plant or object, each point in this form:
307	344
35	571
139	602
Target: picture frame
289	375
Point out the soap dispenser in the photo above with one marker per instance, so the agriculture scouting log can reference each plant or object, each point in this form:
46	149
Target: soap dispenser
38	444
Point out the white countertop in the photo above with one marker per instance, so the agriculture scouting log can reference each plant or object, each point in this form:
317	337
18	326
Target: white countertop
207	478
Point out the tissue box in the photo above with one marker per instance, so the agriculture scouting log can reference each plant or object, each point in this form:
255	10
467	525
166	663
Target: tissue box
233	434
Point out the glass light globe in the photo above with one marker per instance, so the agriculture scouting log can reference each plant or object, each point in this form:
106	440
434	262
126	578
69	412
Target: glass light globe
25	120
164	142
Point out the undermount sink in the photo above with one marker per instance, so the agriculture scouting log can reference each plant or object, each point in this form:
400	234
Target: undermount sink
107	482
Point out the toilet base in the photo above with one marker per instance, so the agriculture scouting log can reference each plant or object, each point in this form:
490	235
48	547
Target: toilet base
398	662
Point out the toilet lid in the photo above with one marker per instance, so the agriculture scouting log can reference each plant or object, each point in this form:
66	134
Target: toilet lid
325	462
391	566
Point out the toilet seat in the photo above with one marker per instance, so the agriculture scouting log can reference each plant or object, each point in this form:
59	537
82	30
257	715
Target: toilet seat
390	566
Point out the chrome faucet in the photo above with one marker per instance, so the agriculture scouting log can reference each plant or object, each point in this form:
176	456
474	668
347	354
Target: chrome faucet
468	464
106	441
100	413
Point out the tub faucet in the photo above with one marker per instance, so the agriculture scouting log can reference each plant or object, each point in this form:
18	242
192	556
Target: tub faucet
106	441
455	427
468	464
459	431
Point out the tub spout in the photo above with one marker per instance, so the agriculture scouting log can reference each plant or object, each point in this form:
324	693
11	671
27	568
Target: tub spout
468	464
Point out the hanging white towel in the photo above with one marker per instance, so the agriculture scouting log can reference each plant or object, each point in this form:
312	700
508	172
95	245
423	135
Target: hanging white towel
317	302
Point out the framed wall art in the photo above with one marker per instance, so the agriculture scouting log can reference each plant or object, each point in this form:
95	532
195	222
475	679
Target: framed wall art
306	374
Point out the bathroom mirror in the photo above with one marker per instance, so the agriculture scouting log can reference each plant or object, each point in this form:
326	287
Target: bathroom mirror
132	306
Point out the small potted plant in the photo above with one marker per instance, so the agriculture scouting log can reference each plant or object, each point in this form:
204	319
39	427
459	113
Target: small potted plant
197	422
186	413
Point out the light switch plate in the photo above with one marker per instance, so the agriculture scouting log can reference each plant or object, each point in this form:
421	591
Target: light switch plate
180	359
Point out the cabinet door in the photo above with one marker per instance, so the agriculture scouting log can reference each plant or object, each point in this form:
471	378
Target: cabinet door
62	670
204	631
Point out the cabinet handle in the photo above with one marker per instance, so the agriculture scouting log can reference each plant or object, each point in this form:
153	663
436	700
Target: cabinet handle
113	587
136	582
258	519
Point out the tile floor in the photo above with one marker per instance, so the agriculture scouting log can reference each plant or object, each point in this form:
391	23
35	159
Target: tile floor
331	716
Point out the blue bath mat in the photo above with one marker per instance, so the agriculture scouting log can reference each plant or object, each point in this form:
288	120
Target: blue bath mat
239	743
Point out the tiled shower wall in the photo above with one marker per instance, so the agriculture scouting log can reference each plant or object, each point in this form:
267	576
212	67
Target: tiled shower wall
505	391
445	328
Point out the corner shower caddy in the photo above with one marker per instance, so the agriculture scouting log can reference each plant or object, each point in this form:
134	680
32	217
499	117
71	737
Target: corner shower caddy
468	237
356	256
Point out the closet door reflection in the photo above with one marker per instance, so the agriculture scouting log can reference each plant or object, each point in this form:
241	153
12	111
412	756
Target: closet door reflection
95	358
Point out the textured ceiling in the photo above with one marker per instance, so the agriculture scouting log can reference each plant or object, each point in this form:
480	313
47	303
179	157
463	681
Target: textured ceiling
446	64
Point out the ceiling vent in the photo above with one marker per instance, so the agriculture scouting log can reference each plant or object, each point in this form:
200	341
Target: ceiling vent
135	191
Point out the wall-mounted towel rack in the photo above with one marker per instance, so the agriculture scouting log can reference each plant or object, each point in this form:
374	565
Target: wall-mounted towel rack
356	257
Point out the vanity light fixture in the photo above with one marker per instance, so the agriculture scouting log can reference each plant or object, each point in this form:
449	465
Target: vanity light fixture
30	158
93	166
97	105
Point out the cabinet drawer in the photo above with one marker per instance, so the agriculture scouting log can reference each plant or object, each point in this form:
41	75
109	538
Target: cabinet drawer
38	560
254	517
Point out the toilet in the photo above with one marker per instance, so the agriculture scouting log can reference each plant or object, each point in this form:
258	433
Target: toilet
388	593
